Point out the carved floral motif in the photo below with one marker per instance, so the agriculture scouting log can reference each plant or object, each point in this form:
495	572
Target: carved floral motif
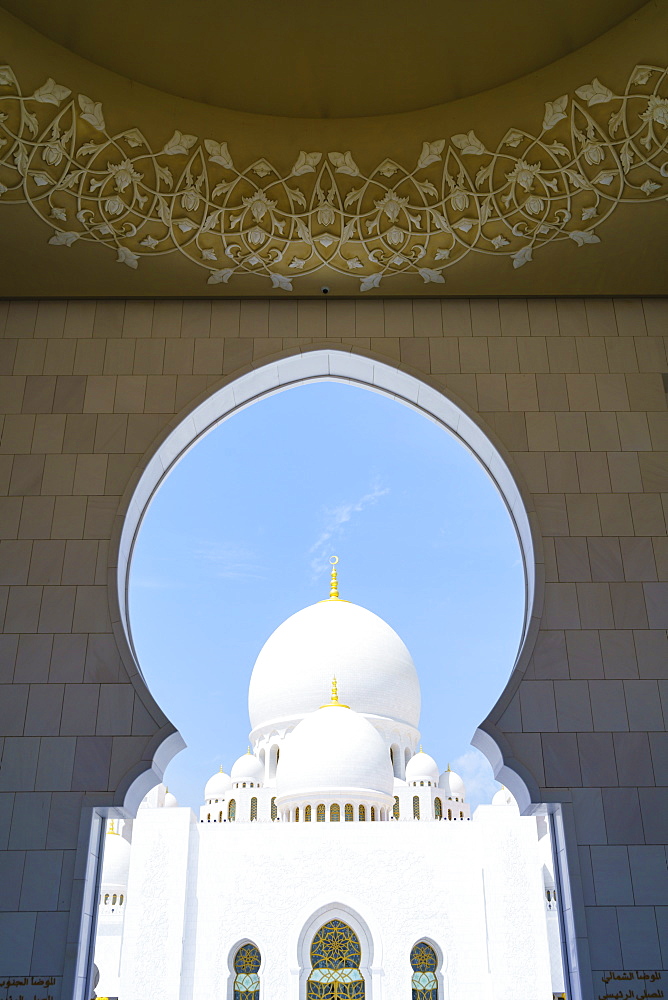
594	151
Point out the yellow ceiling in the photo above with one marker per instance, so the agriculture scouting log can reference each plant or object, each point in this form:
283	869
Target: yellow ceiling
432	79
309	58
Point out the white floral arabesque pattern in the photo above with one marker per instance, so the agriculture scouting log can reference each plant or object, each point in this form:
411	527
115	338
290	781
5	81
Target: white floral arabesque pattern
594	151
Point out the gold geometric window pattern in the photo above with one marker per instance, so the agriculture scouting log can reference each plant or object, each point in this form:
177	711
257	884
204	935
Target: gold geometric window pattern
246	967
423	964
335	962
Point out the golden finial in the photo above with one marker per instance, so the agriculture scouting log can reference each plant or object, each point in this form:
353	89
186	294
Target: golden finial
112	828
248	750
421	750
448	767
221	769
334	700
334	580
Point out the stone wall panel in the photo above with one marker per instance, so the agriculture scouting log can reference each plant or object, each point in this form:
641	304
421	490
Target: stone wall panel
572	388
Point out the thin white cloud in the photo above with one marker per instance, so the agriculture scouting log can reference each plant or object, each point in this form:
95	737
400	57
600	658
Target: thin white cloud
478	777
151	583
336	518
230	562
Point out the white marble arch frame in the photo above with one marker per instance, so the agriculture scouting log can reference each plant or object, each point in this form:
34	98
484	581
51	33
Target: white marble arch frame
413	389
441	966
370	946
231	974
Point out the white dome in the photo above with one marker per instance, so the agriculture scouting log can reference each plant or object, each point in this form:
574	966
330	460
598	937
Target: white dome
504	798
452	784
334	749
294	670
247	768
116	861
422	767
217	786
171	801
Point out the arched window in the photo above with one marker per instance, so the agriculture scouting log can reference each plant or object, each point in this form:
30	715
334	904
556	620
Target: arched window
395	807
106	898
220	817
231	810
423	964
373	814
416	807
449	813
461	815
297	814
320	813
438	808
307	814
334	813
122	897
253	809
113	899
274	810
208	817
362	814
349	814
335	964
246	968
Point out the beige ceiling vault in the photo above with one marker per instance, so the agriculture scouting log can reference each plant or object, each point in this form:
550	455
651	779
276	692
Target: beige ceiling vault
555	183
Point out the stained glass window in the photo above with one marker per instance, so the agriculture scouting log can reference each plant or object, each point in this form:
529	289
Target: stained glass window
438	808
246	967
423	964
416	807
307	814
334	813
253	812
274	810
362	814
320	814
395	807
232	810
373	813
350	815
335	962
297	814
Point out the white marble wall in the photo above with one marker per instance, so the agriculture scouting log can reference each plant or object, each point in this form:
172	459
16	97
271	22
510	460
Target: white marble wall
474	889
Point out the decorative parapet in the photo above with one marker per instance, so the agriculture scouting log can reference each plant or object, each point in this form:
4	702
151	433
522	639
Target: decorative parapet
593	151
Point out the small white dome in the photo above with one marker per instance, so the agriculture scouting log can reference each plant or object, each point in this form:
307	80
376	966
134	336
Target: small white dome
247	768
422	767
452	784
334	749
170	801
297	662
504	798
217	786
116	861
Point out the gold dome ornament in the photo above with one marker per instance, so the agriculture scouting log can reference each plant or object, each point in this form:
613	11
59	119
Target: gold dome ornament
334	698
334	580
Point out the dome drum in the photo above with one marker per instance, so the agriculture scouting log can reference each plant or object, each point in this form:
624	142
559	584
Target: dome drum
342	797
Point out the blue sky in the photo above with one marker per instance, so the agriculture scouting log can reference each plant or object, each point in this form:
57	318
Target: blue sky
239	536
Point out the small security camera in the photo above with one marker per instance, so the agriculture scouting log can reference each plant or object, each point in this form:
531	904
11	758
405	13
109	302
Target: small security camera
325	289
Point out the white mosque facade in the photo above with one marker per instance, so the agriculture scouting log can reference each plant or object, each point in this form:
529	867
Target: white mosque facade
335	860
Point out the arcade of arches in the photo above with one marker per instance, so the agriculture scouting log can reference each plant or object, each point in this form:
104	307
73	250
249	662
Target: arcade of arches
562	370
